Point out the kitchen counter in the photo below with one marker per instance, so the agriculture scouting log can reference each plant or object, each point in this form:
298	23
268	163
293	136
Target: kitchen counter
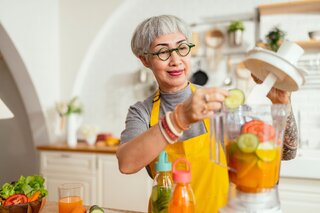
81	147
52	207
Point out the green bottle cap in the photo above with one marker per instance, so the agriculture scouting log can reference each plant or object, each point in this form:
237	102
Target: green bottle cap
163	165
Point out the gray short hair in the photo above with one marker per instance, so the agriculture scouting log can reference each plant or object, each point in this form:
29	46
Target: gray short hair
153	27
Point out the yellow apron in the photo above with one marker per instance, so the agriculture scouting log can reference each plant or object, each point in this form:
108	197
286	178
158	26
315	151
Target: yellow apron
209	181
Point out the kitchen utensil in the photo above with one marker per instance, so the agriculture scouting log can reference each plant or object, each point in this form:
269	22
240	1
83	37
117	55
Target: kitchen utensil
228	80
314	35
200	77
252	137
214	38
274	70
196	41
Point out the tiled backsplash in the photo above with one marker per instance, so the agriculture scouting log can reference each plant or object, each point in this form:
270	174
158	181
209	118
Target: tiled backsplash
306	104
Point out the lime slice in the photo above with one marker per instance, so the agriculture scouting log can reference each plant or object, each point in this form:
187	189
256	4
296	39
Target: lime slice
266	151
235	99
248	142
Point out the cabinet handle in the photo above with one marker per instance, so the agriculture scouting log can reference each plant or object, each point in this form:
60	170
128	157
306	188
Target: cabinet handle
65	156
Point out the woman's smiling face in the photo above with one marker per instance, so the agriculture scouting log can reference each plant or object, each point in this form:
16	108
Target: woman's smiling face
172	74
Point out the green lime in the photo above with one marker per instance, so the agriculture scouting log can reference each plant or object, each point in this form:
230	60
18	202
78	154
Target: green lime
248	142
235	99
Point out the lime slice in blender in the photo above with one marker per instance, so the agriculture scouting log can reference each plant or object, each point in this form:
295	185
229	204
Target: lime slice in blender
235	99
248	142
266	151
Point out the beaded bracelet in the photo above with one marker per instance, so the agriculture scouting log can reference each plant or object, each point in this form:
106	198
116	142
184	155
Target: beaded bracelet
176	118
171	127
164	133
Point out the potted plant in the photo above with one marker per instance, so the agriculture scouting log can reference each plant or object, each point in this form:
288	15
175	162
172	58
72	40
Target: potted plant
274	38
235	33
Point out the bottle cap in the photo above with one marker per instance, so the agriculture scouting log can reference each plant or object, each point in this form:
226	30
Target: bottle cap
181	176
163	165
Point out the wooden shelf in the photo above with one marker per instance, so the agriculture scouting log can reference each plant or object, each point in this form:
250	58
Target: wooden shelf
307	45
306	6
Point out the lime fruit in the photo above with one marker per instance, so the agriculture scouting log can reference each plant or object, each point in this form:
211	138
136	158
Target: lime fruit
248	142
235	99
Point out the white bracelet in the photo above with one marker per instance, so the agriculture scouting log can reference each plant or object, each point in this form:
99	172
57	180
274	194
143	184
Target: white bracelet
168	139
171	127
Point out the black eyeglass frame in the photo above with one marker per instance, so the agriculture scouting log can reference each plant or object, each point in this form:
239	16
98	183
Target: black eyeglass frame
190	45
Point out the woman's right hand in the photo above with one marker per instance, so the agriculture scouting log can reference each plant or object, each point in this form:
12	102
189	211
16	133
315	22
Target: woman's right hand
201	104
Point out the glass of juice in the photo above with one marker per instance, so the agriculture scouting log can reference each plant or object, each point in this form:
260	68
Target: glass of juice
70	197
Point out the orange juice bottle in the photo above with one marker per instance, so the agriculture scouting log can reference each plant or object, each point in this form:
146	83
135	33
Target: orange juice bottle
67	204
182	199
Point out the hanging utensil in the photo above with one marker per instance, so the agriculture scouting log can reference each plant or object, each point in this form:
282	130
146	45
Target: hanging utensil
200	77
214	38
228	80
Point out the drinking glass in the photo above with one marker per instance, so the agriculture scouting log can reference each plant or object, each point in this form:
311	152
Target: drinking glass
70	197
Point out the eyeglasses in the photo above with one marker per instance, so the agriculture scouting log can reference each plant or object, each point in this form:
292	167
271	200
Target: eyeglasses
164	53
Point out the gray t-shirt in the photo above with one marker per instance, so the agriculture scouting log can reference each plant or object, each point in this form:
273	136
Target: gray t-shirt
138	117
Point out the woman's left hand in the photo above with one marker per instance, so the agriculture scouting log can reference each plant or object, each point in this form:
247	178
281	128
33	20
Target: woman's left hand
276	96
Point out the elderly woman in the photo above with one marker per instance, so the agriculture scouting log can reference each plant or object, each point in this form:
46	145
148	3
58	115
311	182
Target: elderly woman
175	118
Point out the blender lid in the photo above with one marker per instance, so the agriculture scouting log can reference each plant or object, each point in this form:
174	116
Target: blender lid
261	62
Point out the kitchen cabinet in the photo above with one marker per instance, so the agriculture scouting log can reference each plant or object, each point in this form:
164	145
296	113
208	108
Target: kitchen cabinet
299	195
103	183
122	191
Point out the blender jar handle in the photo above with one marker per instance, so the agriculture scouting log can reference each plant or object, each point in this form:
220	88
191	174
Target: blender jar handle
216	136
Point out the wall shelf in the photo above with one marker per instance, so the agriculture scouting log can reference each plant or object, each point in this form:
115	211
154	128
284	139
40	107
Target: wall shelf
307	6
294	7
306	45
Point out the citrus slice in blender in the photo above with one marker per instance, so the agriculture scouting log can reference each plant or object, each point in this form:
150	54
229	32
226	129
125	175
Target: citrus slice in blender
248	142
235	99
266	151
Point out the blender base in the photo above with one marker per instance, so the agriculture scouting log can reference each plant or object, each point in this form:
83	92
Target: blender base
263	202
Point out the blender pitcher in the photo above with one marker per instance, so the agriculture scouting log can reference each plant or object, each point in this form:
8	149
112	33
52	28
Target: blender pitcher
252	138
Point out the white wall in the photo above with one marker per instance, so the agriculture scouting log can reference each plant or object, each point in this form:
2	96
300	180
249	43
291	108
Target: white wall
72	47
80	21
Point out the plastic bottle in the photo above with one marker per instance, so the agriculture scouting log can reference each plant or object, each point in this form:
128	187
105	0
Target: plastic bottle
182	199
162	185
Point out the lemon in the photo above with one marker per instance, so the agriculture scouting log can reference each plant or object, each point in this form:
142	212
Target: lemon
266	151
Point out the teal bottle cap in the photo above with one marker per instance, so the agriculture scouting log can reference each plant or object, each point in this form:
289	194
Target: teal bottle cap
163	165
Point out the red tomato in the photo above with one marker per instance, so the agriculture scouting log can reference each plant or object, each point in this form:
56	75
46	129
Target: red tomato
15	199
265	132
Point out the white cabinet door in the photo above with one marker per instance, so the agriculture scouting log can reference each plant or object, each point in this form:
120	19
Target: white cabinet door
116	190
67	167
299	195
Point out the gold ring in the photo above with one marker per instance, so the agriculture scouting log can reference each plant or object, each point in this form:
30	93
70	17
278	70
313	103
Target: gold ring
206	98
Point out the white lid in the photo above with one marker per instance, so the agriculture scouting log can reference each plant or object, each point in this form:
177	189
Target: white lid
261	62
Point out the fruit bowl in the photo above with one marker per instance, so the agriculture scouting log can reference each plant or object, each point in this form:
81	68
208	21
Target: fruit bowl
31	207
